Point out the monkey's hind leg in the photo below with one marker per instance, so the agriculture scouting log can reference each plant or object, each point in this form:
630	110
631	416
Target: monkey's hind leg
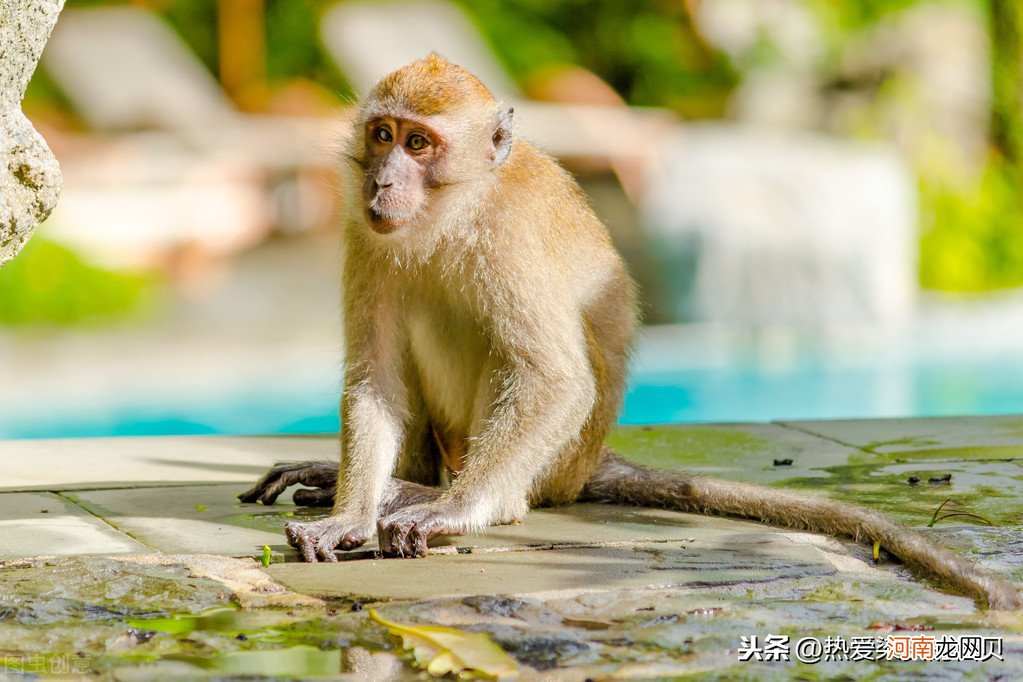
619	481
320	476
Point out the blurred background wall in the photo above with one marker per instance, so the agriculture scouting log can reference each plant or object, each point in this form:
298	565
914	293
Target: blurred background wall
820	199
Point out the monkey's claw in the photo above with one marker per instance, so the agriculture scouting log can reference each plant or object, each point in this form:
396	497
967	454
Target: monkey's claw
317	540
321	476
406	532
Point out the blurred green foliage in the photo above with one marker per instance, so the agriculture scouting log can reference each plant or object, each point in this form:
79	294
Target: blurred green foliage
47	284
972	239
652	54
648	50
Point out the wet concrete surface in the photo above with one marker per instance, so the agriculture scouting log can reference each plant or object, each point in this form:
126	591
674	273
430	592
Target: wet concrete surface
150	569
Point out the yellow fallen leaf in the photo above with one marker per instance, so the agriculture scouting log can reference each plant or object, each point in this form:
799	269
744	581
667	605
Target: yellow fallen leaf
443	664
442	650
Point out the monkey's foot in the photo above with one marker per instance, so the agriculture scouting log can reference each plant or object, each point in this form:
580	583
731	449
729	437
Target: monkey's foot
321	476
317	540
406	532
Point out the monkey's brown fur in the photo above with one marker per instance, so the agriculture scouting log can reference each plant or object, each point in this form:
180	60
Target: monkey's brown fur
488	322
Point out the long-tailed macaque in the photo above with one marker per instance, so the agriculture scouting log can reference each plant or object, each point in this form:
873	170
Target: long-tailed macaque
488	321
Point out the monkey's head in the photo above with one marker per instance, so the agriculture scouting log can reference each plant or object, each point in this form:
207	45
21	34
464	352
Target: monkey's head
427	126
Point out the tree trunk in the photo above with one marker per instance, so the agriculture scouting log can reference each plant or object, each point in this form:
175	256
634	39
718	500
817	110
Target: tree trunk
1006	25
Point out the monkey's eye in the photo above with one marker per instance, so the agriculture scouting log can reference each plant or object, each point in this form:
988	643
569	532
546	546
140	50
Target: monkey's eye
416	142
383	134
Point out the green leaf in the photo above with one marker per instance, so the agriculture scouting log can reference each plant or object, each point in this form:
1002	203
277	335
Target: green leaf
266	555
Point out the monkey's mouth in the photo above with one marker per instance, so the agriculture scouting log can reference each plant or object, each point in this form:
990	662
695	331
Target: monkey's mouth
381	222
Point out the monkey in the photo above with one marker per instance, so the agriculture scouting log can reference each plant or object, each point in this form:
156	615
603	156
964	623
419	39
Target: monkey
488	321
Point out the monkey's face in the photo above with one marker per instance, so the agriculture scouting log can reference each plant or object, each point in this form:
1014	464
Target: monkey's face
402	157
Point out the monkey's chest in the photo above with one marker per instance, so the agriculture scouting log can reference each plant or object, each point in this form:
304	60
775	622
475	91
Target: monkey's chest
450	352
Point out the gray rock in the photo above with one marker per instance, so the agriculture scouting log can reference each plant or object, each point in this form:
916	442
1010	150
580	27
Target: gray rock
30	179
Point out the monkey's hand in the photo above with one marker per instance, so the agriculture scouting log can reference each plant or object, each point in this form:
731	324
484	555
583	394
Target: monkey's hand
317	540
321	476
406	532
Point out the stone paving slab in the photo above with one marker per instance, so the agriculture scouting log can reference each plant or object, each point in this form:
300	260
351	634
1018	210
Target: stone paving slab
197	519
74	464
937	439
208	519
34	524
741	451
712	560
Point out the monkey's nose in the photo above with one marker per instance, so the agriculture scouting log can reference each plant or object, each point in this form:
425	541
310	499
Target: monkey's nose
377	186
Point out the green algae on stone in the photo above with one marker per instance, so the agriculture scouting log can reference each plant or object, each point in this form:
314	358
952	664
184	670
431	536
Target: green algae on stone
225	620
908	441
1000	453
275	519
980	488
673	447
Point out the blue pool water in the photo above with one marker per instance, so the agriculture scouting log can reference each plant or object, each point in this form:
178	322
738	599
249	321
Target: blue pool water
739	386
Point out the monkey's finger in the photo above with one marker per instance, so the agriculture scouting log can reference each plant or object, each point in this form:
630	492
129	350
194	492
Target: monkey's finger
352	540
274	491
308	549
304	544
253	493
407	540
314	497
386	540
419	539
270	479
390	540
296	535
326	553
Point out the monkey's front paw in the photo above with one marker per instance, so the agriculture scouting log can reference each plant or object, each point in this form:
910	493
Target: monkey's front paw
317	540
321	476
406	532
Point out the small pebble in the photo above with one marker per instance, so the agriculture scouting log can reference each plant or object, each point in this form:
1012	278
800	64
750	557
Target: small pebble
356	607
947	478
913	480
783	462
241	638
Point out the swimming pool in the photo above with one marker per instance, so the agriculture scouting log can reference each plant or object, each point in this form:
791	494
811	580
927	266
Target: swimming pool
679	375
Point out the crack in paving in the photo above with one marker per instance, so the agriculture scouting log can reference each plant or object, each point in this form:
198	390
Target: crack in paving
73	500
823	436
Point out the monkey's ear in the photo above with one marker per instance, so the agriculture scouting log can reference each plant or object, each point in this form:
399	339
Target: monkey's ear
502	137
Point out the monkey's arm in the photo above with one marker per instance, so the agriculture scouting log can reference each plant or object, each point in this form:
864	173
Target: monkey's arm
373	416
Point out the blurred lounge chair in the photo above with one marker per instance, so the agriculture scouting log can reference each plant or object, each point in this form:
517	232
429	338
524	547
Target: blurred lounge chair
172	164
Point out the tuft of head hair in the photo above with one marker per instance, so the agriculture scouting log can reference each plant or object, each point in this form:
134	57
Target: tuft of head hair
430	86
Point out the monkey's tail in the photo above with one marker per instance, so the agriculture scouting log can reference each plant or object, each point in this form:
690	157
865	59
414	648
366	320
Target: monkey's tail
622	482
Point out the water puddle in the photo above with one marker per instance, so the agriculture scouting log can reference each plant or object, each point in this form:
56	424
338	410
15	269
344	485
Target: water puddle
294	662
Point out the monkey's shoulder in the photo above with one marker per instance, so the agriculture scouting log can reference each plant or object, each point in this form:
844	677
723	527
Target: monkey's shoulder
536	194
